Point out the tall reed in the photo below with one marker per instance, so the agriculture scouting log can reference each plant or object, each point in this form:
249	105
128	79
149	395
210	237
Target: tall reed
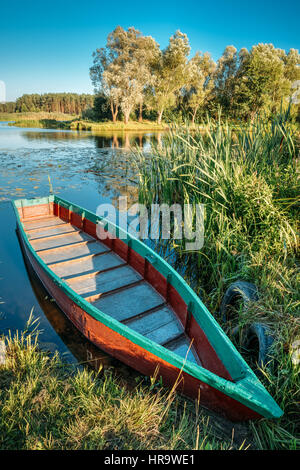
247	178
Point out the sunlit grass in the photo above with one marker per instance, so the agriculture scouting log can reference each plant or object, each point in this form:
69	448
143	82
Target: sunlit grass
35	117
46	404
45	120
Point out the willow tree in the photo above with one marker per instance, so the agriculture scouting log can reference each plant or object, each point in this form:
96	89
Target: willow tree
225	76
145	58
199	88
104	77
169	74
123	69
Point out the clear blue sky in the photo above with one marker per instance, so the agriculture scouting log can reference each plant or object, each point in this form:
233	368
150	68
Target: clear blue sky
46	46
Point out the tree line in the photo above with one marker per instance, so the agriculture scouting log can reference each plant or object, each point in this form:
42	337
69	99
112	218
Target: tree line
68	103
132	74
134	78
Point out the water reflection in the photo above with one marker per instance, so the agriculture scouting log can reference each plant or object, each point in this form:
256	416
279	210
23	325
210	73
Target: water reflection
101	140
84	168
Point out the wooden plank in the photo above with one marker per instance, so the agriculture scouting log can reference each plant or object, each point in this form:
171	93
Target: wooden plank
152	320
56	236
42	222
60	240
69	245
47	227
87	265
50	231
105	282
166	332
181	347
71	252
92	298
79	258
130	302
92	274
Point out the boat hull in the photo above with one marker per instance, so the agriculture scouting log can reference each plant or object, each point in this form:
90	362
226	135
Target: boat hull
134	355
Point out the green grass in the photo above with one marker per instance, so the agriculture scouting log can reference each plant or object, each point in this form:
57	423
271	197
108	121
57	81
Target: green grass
117	126
248	180
44	120
34	117
46	404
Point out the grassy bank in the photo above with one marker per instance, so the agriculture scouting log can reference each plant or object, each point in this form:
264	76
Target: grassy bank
67	121
248	181
35	117
117	126
48	405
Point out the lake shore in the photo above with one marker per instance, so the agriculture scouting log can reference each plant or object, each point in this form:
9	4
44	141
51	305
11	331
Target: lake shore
71	122
248	183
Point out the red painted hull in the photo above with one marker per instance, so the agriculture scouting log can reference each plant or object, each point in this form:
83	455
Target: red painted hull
137	357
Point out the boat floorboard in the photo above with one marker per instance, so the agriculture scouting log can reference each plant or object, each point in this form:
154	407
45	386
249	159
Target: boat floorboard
87	265
105	282
102	277
182	348
130	302
60	240
60	229
71	252
42	222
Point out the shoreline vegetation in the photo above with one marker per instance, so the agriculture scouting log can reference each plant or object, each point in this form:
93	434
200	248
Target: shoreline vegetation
68	122
248	181
244	167
60	121
49	405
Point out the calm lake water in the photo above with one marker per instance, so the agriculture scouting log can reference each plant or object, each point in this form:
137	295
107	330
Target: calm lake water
86	169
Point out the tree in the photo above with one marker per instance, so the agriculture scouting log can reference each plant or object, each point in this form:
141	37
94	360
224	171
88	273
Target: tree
170	72
54	102
199	89
103	76
265	79
146	56
225	75
121	70
292	73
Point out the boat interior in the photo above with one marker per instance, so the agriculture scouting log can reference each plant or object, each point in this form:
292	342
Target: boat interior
108	281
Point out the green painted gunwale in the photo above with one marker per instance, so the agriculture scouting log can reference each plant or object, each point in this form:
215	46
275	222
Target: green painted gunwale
245	388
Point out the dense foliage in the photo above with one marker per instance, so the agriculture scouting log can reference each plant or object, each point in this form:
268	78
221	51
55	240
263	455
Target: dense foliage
131	71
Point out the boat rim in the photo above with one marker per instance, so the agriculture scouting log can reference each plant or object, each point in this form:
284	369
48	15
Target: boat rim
245	387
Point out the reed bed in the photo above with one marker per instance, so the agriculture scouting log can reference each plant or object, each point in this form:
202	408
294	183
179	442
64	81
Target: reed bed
248	180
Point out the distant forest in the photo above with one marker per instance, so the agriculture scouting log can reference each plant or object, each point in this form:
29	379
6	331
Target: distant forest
68	103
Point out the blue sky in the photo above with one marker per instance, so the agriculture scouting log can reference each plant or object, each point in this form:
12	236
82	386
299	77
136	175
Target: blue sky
47	46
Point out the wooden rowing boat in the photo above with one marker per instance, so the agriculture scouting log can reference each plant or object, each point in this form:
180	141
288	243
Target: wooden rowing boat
130	303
